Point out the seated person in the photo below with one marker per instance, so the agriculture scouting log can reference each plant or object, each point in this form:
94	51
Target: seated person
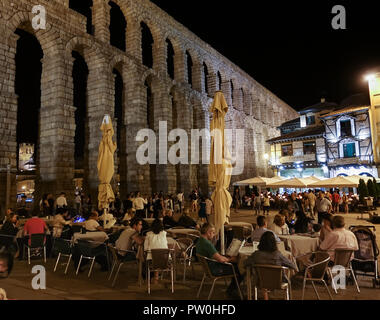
339	238
60	221
317	229
155	239
268	254
186	221
8	233
92	223
204	247
279	226
128	237
35	225
326	226
6	265
303	223
168	220
262	227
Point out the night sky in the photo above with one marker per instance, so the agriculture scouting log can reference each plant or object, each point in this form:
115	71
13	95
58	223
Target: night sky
290	48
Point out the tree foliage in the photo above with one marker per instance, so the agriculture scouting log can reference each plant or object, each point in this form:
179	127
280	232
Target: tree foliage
363	190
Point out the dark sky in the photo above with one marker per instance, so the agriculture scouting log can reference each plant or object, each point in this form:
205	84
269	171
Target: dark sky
289	47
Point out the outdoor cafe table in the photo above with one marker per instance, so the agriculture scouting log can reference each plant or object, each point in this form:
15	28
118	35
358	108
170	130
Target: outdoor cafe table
300	244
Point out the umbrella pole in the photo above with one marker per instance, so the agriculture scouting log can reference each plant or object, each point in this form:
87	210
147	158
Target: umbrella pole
222	249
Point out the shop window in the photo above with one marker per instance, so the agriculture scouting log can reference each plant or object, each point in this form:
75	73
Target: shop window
309	147
349	150
287	150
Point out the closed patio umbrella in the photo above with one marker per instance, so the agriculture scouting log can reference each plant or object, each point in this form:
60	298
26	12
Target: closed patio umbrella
106	164
220	166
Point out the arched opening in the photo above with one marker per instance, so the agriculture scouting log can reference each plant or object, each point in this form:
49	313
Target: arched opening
80	76
170	59
205	77
119	116
150	123
118	26
28	88
147	45
232	93
189	63
84	7
219	79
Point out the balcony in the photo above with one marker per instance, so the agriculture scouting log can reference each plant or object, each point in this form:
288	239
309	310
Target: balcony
302	158
362	160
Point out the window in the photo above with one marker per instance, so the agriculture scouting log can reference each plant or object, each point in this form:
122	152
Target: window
345	128
309	147
287	150
349	150
310	120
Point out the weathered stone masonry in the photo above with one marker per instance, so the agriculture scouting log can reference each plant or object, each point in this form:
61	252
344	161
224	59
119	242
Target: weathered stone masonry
253	107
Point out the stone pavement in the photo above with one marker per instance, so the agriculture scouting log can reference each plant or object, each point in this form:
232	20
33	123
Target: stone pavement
97	287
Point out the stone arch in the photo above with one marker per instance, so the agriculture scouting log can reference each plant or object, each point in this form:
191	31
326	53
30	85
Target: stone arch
23	21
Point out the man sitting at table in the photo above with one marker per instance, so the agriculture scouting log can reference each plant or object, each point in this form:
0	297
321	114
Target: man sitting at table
92	223
128	237
262	227
168	220
204	247
339	238
35	225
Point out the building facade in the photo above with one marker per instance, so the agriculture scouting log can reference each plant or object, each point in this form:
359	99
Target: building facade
156	71
327	140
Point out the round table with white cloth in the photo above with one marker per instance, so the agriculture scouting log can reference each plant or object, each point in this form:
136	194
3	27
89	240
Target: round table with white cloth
300	244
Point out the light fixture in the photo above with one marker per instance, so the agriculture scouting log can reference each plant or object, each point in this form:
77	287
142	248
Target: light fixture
266	156
369	77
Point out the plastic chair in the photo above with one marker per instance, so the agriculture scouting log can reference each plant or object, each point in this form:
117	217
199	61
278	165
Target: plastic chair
208	273
316	270
37	241
270	277
343	258
87	252
119	261
161	262
63	248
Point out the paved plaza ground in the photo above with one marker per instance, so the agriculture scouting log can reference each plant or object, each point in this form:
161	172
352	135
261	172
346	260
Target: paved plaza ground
71	287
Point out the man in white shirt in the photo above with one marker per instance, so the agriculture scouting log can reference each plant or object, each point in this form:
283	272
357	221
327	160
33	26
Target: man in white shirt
138	204
61	201
339	238
323	206
129	236
180	200
92	223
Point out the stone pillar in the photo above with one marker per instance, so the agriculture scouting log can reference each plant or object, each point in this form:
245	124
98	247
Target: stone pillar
101	20
137	177
165	172
238	100
180	66
133	39
101	93
8	119
197	72
226	88
212	86
256	107
55	162
247	104
160	57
